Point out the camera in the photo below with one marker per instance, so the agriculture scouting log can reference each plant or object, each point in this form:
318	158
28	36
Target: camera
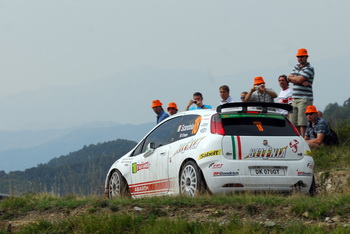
257	87
195	102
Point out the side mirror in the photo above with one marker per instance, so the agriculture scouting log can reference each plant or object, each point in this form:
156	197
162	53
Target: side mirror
150	149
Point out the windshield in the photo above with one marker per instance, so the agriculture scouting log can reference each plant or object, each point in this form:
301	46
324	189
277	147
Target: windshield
256	125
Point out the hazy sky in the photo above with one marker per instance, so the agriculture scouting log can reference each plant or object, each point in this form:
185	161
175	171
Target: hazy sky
45	43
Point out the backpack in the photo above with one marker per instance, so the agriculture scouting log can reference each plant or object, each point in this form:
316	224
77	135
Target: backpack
331	138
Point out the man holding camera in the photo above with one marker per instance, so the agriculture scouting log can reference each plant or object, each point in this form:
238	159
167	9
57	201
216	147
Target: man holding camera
259	93
198	101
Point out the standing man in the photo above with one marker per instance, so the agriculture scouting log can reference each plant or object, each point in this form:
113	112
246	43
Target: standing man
225	95
285	95
158	109
259	93
317	128
198	101
302	77
172	108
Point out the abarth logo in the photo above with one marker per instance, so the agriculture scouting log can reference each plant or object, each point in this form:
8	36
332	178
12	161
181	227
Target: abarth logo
294	145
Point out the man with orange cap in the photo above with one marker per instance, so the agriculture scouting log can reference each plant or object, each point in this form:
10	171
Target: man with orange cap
172	108
259	93
317	128
302	77
158	109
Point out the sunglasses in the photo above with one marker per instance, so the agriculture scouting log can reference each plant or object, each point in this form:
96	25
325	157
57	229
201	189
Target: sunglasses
309	114
301	56
242	98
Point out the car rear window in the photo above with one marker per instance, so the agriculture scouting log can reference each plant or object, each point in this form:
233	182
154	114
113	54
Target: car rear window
256	125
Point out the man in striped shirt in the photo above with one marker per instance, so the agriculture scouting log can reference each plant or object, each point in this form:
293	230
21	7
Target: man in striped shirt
302	77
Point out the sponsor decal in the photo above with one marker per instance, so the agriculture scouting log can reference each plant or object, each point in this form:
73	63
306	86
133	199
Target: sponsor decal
303	173
225	173
183	128
267	152
182	135
192	144
204	124
209	154
138	167
310	165
294	145
308	153
203	130
216	166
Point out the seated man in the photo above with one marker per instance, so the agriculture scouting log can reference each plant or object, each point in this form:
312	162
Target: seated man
259	93
317	128
198	101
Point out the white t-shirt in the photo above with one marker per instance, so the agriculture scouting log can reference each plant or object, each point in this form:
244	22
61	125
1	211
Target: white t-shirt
285	96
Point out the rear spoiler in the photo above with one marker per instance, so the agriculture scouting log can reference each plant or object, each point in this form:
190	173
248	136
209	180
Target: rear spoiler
263	105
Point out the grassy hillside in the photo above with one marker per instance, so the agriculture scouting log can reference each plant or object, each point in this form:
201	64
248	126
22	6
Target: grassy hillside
239	213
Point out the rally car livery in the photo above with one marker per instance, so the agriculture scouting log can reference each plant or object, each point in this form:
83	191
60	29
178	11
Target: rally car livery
238	147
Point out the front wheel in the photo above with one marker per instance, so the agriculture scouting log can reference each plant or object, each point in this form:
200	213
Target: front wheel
117	185
191	181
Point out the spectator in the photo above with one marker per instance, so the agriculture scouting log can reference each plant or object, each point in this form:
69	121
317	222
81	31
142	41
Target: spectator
198	101
259	93
317	128
302	77
285	95
158	109
225	94
243	95
172	108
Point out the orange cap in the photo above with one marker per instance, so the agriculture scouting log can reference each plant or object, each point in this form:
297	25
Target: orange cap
302	52
258	80
156	103
310	109
172	105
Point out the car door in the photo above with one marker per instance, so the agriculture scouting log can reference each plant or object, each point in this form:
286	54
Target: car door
150	165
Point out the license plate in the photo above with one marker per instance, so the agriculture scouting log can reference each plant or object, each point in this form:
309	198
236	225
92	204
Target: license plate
267	171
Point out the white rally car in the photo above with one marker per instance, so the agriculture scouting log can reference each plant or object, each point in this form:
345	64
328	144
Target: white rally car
238	147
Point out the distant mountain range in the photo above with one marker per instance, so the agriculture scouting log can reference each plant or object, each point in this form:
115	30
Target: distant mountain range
81	172
24	149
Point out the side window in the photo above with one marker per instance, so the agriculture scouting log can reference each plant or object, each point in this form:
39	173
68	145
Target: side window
138	149
162	135
188	126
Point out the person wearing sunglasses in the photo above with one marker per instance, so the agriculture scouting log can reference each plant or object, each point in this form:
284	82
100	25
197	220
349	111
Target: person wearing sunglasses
302	77
317	128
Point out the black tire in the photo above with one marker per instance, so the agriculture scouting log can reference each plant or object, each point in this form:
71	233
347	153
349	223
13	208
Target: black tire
312	191
117	185
191	180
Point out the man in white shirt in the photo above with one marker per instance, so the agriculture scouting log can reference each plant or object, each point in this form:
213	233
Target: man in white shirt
285	95
225	95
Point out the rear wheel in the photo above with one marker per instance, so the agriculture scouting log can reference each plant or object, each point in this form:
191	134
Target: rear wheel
117	185
191	181
312	191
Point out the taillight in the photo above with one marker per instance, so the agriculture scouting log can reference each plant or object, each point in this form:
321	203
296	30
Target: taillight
216	125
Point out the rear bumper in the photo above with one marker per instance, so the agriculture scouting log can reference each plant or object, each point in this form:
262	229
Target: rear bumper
237	175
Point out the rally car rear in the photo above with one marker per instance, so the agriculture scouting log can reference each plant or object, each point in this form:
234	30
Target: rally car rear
261	151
